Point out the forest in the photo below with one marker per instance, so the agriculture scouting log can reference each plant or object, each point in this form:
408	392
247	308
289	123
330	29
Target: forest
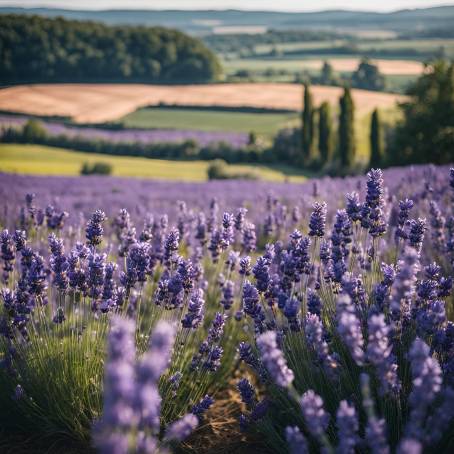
34	49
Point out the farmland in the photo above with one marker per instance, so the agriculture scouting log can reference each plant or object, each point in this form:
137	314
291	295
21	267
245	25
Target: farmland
266	123
92	103
339	63
41	160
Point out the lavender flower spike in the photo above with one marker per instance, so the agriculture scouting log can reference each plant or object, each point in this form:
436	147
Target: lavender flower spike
314	414
274	359
317	220
427	380
349	328
379	354
297	443
119	380
156	360
182	428
347	425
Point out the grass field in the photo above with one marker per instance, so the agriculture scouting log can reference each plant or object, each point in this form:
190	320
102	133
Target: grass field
398	45
342	64
99	103
266	124
40	160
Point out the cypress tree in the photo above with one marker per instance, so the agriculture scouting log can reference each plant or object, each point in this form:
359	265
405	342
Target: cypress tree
324	133
376	141
307	124
347	145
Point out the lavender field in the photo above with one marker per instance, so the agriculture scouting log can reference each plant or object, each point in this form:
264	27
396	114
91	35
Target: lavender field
323	310
203	138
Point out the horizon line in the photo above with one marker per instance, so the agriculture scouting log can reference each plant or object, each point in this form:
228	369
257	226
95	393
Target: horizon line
308	11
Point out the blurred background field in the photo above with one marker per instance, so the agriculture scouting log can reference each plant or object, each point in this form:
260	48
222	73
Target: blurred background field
204	85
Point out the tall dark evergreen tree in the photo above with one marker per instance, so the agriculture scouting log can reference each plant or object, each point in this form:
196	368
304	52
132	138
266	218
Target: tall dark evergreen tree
347	145
307	125
324	133
376	141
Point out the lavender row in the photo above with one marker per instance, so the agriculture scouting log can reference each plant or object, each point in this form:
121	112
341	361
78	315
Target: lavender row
203	138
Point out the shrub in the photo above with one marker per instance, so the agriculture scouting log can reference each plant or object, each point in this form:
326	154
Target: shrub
97	168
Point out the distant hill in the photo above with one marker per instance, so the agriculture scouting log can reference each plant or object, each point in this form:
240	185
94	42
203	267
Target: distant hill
205	22
34	49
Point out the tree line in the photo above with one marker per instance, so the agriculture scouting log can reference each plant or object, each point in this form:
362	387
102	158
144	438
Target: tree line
314	145
35	49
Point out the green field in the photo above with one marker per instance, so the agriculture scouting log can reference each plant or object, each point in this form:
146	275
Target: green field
41	160
400	47
266	124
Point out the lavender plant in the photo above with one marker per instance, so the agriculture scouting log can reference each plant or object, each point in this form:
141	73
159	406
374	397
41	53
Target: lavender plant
342	318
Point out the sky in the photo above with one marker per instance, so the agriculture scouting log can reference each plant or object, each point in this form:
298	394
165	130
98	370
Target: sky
281	5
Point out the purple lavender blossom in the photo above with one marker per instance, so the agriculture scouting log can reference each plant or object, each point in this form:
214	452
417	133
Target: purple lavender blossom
119	381
314	332
202	407
245	266
296	441
94	230
416	234
247	392
349	328
427	380
182	428
315	416
375	204
409	446
379	353
403	289
274	360
347	428
228	294
261	274
317	220
195	313
249	241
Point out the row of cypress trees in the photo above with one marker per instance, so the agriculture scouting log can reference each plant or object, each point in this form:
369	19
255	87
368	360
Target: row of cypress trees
344	154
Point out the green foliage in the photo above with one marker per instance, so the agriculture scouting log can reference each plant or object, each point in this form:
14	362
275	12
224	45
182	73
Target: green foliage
97	168
427	131
33	130
219	170
56	50
324	133
327	76
307	126
224	43
368	77
61	367
347	145
376	141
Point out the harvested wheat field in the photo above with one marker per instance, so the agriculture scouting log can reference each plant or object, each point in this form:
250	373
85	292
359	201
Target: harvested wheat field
387	67
98	103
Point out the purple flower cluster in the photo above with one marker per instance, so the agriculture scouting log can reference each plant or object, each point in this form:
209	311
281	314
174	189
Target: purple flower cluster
344	314
132	403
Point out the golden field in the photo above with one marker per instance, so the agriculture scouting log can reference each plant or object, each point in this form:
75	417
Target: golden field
99	103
